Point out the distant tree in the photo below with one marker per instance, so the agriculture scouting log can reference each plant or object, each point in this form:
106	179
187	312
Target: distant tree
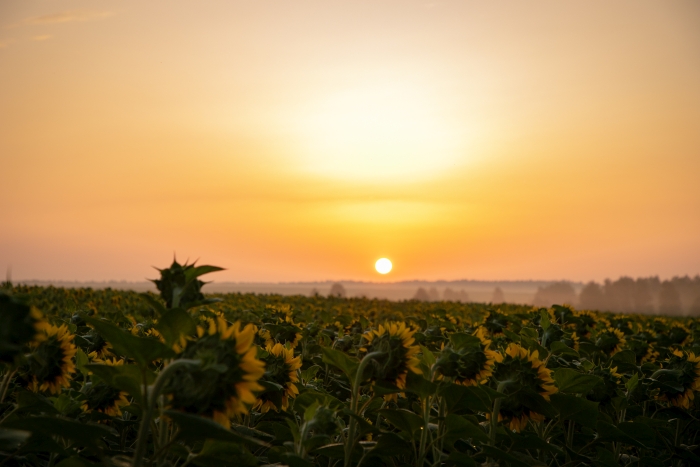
498	296
643	300
592	297
669	299
450	295
695	307
314	292
421	295
620	294
556	293
337	290
434	294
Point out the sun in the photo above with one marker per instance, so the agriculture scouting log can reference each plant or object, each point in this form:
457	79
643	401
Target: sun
383	266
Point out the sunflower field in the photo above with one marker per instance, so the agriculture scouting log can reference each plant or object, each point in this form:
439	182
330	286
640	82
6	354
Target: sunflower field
114	378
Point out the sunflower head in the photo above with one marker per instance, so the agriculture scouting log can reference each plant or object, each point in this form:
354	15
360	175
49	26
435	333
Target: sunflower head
525	376
468	360
285	332
19	325
99	397
681	378
495	322
610	341
50	364
97	344
394	353
281	369
223	385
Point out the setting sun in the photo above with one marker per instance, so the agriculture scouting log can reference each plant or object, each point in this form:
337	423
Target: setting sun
383	266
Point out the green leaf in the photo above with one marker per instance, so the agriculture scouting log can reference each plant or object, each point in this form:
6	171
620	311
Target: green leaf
215	453
128	378
11	440
428	356
502	455
631	383
141	349
460	340
458	427
175	323
416	384
334	451
29	402
474	398
81	359
307	398
640	432
571	381
575	408
342	361
544	320
608	432
404	420
75	461
458	459
559	348
194	427
625	356
82	434
194	272
389	444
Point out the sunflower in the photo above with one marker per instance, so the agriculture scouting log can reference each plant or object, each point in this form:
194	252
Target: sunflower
585	321
395	354
98	345
688	365
223	385
525	376
280	368
285	332
610	341
469	362
99	397
50	365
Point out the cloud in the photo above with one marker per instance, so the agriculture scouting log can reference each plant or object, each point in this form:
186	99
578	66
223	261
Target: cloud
68	16
5	43
43	37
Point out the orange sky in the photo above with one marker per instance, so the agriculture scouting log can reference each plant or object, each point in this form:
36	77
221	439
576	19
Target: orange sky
302	140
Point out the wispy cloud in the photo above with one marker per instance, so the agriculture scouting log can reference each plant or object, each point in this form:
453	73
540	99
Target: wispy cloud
68	16
5	43
43	37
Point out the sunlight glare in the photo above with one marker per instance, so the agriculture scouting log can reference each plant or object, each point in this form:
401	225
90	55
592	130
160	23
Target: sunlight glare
379	133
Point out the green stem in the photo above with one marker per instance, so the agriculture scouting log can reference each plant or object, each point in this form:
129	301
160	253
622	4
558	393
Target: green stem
353	404
424	432
496	410
6	383
152	401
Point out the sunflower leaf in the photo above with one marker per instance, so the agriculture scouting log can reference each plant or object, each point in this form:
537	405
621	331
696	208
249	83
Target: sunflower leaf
342	361
571	381
141	349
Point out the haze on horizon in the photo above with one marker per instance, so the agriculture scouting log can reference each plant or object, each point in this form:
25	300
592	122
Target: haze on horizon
301	141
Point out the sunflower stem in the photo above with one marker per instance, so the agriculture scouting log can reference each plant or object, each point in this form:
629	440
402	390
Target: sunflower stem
6	383
496	409
355	396
152	402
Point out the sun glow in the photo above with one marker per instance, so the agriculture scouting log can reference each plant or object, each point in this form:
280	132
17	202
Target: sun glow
373	133
383	266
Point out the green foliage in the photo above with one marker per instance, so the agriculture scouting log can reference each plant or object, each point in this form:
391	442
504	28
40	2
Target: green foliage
624	386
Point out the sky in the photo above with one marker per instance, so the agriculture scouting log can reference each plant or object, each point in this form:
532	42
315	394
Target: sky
303	140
